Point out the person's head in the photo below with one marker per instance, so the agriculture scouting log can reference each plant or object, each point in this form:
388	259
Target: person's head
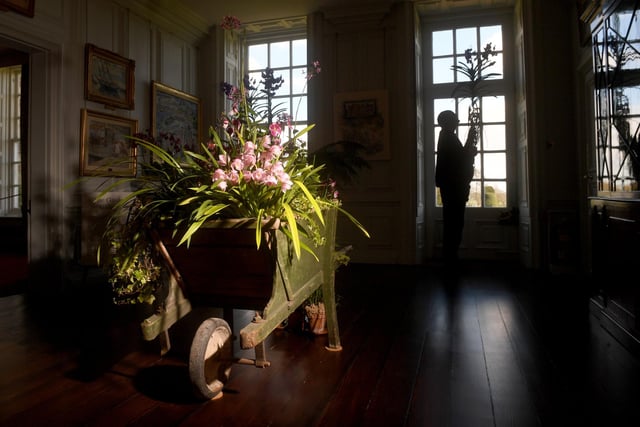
448	120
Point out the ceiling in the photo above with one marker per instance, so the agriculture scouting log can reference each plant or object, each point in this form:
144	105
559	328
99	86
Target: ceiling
259	10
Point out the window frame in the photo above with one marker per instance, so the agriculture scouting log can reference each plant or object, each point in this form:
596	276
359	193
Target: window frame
11	143
279	35
503	85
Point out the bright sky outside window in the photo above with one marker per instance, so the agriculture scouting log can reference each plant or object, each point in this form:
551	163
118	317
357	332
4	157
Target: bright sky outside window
288	59
489	185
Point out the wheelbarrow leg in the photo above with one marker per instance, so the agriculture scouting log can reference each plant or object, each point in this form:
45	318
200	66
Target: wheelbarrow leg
165	342
329	296
261	358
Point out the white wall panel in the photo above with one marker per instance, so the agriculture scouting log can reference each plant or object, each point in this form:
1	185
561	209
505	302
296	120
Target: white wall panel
140	52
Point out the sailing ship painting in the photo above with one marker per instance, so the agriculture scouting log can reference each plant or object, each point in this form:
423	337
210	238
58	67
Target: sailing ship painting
109	78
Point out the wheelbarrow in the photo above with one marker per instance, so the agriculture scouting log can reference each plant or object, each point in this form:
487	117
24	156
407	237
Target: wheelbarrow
222	268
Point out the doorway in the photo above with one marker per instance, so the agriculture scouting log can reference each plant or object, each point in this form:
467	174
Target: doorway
490	231
14	96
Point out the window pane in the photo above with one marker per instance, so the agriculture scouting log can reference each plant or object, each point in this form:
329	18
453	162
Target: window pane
440	105
495	68
475	195
463	109
285	88
493	137
627	98
493	109
495	165
495	194
299	108
442	72
298	80
279	54
255	78
442	43
258	56
16	155
465	39
623	22
299	52
477	167
463	131
462	62
615	137
491	35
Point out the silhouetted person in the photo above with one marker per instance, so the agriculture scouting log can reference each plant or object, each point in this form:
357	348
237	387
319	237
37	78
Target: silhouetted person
454	172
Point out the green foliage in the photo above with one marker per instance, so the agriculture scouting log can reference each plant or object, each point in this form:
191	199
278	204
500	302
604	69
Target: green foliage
474	67
254	165
490	198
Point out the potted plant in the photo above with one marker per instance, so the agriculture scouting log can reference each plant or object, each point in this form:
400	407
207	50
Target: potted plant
247	220
253	165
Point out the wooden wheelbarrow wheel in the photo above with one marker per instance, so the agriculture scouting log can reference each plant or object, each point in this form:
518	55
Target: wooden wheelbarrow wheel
211	358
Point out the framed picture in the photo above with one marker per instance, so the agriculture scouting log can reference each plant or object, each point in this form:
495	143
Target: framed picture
109	78
175	113
105	148
363	117
23	7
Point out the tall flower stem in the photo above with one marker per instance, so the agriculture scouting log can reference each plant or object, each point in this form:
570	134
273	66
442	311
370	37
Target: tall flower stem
474	67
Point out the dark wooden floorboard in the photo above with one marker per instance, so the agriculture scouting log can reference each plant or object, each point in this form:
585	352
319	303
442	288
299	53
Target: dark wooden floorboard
489	346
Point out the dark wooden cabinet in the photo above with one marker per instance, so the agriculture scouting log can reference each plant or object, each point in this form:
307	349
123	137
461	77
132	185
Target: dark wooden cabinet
616	264
615	37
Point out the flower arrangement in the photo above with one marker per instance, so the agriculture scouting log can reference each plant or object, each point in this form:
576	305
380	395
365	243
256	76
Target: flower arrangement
253	165
474	67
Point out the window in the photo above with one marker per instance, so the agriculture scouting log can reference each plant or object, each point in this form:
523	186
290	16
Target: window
617	100
287	59
448	46
10	154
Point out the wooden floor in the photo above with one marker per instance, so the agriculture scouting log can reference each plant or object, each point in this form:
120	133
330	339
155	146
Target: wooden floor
486	348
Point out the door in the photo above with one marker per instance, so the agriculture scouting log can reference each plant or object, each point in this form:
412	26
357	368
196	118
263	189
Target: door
466	63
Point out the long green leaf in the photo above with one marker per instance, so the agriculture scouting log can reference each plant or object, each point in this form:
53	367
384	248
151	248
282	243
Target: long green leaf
312	200
291	223
259	228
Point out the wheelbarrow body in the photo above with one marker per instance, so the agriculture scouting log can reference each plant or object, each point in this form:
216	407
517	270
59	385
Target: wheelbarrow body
222	267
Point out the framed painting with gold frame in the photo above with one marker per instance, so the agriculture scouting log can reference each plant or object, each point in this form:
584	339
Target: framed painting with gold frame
363	117
109	78
176	113
105	148
23	7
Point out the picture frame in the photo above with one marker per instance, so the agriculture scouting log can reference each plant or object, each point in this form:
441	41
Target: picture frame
177	113
109	78
105	149
23	7
363	117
